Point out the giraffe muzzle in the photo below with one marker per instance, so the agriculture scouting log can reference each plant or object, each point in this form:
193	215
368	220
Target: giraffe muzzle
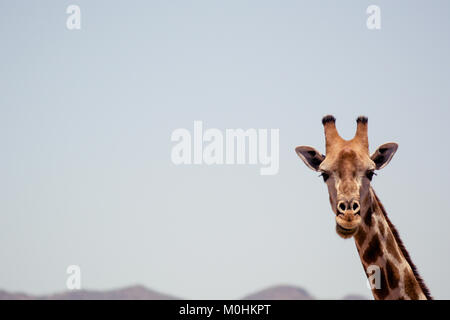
348	217
348	206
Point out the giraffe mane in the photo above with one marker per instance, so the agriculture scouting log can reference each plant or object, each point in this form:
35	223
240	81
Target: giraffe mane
405	253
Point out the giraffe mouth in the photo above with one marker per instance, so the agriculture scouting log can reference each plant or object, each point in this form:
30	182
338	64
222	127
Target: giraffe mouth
347	224
345	232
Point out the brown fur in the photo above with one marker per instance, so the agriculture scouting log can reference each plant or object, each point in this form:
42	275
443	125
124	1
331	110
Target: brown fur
360	236
373	251
392	274
405	253
383	291
347	169
382	229
410	286
368	217
390	245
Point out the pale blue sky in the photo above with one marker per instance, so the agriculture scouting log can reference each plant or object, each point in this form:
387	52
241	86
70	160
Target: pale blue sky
86	118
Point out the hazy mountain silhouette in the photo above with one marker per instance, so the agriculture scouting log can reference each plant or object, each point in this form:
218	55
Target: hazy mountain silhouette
4	295
127	293
354	297
279	292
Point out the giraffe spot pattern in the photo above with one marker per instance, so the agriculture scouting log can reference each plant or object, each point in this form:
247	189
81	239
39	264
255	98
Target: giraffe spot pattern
392	248
373	250
382	229
410	286
383	291
360	236
392	274
368	217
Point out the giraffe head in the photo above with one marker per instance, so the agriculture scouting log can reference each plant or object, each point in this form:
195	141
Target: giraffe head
347	169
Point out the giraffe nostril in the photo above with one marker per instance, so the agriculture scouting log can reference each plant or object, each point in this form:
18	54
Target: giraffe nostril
342	206
356	207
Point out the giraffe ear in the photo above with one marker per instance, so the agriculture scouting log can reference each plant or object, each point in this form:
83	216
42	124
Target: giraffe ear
310	156
383	155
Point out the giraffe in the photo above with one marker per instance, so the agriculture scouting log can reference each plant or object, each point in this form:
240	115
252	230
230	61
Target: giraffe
347	169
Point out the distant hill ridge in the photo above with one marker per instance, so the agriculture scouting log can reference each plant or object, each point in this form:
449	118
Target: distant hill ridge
280	292
127	293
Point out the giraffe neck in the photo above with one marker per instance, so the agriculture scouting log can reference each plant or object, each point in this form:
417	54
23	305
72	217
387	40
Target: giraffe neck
388	267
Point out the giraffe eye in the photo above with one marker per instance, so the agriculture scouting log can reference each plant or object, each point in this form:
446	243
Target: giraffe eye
369	174
325	176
